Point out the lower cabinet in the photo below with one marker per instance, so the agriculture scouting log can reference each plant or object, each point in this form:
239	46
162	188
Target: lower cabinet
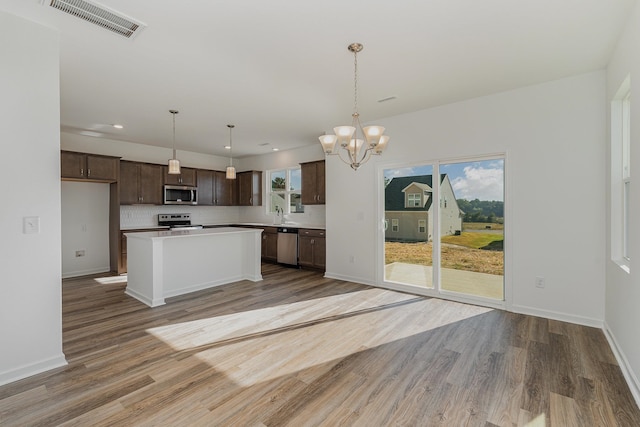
270	244
312	248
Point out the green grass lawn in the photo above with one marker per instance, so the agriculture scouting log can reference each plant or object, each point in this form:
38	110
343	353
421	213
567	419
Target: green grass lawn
472	240
481	226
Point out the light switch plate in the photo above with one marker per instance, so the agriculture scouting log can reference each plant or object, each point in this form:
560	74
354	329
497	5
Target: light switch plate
31	224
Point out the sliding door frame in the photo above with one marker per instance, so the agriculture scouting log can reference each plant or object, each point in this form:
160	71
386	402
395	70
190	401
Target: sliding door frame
436	291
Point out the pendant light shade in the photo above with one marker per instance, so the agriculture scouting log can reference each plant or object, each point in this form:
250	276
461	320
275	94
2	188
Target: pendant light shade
174	164
231	171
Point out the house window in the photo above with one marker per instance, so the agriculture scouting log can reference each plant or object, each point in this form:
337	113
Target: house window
413	200
284	189
621	174
394	225
422	226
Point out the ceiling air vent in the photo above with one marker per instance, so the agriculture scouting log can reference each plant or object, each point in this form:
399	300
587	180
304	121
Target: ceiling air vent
99	15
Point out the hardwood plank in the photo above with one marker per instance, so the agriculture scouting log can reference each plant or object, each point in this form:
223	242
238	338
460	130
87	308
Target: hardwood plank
301	349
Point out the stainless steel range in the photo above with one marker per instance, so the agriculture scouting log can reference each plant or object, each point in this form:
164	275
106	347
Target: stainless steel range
178	221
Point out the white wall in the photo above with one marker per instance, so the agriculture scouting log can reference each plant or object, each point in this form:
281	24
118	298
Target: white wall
623	289
85	226
554	137
30	295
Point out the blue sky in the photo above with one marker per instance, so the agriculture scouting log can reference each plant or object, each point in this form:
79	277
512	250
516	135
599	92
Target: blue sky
483	180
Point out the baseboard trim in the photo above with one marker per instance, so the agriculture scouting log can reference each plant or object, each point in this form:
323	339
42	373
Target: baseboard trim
629	375
329	275
554	315
70	274
32	369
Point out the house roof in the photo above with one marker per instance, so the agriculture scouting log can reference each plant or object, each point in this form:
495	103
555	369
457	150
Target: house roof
394	191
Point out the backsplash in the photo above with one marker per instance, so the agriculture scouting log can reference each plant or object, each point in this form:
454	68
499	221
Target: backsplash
147	215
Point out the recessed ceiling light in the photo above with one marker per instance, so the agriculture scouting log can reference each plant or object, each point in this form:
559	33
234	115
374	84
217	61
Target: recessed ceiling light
227	147
275	149
118	126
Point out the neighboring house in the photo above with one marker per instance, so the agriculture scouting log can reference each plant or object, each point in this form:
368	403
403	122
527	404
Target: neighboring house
408	213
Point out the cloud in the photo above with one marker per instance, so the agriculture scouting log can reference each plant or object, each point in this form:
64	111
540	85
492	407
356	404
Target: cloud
480	183
408	171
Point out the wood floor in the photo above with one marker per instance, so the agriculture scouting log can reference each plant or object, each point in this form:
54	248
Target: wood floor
300	350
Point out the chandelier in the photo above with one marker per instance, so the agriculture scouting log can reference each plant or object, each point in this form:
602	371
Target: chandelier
351	139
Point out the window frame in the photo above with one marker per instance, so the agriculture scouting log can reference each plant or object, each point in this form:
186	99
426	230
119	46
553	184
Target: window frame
416	198
422	223
395	225
287	192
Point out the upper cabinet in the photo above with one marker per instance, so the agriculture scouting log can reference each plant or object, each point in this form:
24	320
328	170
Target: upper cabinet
249	188
313	175
88	167
187	176
140	183
224	191
205	182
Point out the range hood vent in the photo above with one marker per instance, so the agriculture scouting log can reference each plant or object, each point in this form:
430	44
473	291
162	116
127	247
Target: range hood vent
99	15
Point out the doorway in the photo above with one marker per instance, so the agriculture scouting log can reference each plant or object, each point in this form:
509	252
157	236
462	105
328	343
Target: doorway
446	235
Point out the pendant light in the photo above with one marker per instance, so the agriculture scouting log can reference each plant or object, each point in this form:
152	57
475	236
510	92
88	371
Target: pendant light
357	143
231	171
174	164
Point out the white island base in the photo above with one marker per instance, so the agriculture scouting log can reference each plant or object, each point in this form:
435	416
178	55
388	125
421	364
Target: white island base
163	264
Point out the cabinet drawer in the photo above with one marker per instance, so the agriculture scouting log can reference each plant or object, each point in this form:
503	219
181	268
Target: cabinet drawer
312	233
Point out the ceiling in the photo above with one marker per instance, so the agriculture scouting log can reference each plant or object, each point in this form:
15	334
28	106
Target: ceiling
280	70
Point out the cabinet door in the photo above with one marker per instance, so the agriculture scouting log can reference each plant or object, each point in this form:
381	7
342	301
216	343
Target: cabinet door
151	184
320	177
205	182
102	168
72	165
305	251
129	173
308	174
250	188
187	176
320	252
225	192
271	249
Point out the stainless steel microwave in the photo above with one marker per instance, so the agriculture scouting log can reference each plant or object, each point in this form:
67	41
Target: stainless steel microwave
180	195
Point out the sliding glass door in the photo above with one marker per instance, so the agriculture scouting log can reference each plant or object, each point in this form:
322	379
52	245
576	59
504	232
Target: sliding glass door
408	218
446	234
472	228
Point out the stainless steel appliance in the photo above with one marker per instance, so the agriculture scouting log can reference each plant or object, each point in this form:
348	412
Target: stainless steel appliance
180	195
177	221
288	246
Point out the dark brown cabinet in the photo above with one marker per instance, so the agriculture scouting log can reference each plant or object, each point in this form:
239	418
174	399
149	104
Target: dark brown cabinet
140	183
187	176
206	186
249	188
312	248
270	244
313	177
225	193
88	167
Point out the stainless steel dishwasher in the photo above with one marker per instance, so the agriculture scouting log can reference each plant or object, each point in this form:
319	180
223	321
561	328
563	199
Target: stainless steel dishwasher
288	246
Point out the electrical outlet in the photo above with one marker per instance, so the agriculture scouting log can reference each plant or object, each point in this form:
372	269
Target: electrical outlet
80	253
540	282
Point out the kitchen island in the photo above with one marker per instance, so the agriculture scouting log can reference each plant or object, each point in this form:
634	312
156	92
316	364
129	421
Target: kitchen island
163	264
